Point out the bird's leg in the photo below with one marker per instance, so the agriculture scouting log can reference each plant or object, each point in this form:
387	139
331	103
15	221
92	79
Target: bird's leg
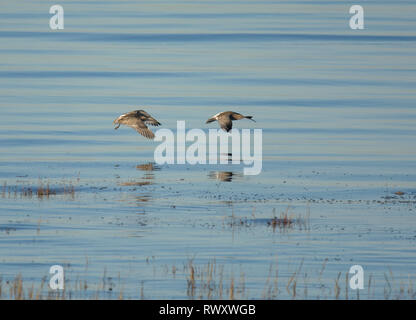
118	126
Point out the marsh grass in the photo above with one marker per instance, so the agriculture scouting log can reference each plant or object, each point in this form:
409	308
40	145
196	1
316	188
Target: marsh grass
286	221
43	190
210	280
16	289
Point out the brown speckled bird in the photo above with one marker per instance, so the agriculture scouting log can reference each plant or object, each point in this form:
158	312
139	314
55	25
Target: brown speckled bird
137	120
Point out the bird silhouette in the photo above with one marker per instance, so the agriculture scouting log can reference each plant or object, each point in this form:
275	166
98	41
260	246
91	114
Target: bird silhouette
225	119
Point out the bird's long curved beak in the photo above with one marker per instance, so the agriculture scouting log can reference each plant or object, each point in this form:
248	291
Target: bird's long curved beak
210	120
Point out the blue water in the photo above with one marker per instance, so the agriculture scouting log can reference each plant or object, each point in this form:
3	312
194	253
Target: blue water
337	111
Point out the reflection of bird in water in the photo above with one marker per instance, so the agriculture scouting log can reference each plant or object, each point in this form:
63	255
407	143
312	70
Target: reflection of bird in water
226	176
144	198
225	119
137	120
148	167
228	157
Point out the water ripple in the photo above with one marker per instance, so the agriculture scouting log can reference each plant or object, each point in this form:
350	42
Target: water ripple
204	37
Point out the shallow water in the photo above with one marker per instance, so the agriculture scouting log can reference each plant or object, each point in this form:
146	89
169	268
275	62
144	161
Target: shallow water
337	111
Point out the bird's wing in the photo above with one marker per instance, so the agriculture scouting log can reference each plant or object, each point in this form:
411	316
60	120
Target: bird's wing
225	123
152	122
148	119
141	128
138	125
236	116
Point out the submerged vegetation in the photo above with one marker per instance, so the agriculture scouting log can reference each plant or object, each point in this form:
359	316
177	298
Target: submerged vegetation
286	221
135	183
42	190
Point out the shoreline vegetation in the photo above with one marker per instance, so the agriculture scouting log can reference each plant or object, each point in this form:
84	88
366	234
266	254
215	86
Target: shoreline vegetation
210	280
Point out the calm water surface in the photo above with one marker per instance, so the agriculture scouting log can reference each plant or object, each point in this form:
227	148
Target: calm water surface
337	109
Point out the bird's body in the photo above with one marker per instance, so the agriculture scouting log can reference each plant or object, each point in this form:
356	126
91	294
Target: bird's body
138	120
225	119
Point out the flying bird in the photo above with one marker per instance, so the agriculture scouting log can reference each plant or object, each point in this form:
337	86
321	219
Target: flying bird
138	120
225	119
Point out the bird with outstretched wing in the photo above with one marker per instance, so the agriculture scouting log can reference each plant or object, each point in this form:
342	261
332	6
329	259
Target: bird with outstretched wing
226	118
138	120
